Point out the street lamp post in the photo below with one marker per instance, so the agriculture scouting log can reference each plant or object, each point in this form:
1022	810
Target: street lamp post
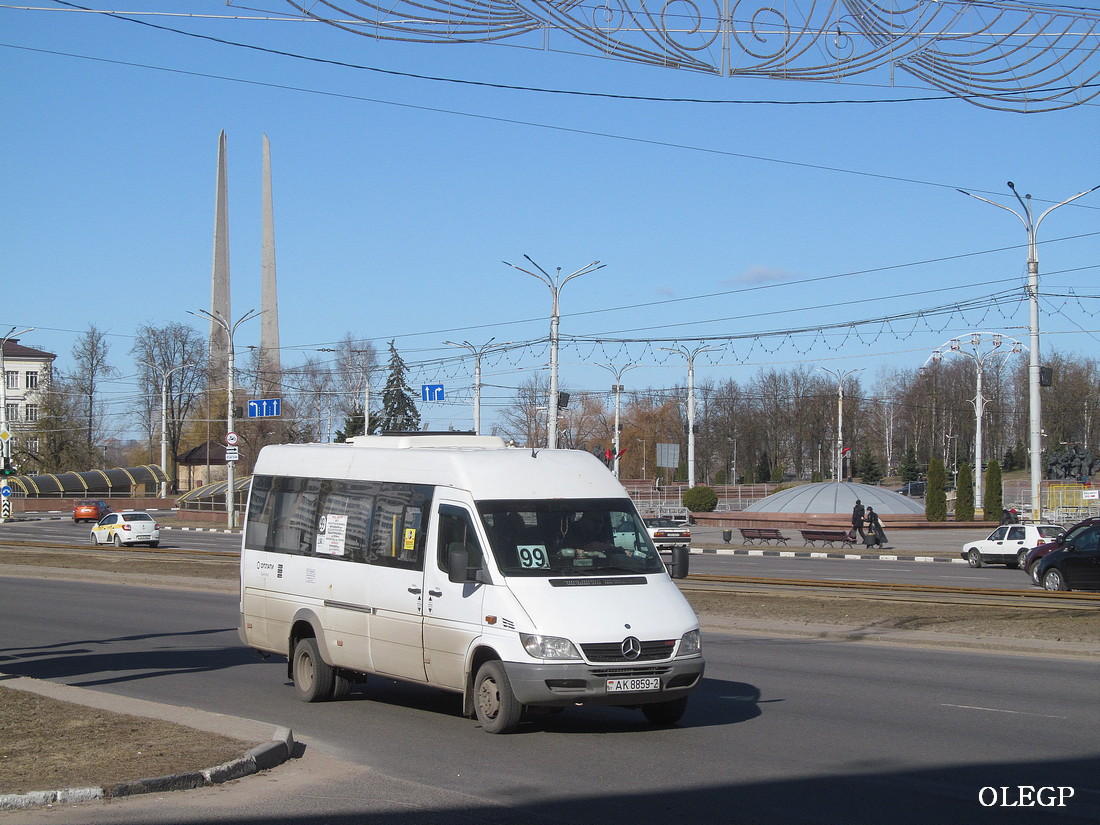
980	359
690	356
555	283
1035	404
5	444
838	462
164	421
478	353
617	388
230	331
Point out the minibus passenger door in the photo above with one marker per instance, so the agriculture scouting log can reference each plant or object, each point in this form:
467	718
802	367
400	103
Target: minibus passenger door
452	609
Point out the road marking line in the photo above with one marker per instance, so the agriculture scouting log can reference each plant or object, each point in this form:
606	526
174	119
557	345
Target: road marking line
1002	710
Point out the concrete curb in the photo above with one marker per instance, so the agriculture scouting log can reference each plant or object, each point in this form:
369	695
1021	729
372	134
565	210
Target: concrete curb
260	758
811	554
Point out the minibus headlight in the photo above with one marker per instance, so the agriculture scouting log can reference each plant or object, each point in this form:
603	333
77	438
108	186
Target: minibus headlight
691	644
548	647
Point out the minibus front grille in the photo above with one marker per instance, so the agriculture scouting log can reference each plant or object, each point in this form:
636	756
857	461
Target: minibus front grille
613	651
630	672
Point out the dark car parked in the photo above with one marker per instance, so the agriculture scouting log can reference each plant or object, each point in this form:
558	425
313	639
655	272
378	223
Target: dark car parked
916	489
1030	564
1075	565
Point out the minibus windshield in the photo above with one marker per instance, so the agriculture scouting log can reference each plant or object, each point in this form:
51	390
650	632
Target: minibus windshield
568	537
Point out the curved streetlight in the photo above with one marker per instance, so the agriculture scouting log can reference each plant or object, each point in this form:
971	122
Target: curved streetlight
617	388
477	352
838	461
5	443
690	356
230	331
555	282
1035	404
981	359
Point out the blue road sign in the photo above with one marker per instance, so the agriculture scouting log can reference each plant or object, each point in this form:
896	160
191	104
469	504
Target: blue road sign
265	408
5	491
432	392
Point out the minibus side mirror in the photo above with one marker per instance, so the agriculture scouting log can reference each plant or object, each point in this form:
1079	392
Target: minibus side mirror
458	563
678	568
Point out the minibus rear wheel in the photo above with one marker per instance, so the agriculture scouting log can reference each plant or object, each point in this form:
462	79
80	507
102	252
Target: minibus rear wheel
313	679
496	705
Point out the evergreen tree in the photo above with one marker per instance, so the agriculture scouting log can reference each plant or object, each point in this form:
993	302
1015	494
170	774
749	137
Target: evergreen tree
964	494
909	469
935	500
870	469
353	425
992	492
764	467
399	412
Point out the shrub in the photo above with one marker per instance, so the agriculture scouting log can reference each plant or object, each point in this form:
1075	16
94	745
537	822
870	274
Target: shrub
964	495
992	494
935	499
700	499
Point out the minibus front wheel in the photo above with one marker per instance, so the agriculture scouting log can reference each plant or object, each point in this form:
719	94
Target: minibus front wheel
495	704
313	678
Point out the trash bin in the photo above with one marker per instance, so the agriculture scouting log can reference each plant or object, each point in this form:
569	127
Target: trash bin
727	536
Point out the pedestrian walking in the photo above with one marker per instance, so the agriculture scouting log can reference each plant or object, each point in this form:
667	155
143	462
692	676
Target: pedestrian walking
857	520
874	527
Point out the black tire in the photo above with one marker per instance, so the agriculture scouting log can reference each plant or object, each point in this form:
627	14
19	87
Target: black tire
118	541
1054	580
666	713
974	558
94	542
496	706
154	544
1033	572
1020	557
313	677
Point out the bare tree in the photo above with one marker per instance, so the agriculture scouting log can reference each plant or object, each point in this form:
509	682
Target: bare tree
172	367
90	353
524	422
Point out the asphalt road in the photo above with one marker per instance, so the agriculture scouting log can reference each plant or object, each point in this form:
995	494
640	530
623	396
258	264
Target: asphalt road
782	731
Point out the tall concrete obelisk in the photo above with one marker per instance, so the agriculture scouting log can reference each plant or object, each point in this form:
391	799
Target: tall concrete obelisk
270	360
219	282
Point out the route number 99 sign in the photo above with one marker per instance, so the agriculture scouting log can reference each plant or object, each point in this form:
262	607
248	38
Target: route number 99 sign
533	557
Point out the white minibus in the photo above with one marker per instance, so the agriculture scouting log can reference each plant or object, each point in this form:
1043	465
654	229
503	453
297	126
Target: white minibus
520	578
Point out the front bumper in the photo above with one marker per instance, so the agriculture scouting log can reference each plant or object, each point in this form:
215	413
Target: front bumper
577	683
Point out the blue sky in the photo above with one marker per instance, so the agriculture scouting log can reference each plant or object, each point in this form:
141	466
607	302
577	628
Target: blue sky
397	199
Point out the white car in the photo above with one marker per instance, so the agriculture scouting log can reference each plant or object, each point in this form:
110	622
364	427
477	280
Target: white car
667	533
127	527
1008	544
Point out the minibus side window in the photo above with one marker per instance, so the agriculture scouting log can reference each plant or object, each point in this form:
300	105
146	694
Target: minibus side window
400	517
294	515
456	532
344	517
259	512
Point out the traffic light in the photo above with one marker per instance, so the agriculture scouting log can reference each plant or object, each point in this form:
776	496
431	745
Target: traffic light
7	469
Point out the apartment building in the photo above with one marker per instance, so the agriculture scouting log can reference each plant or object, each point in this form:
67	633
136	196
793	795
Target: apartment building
25	371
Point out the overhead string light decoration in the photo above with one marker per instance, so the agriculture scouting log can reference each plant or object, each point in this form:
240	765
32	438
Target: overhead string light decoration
998	55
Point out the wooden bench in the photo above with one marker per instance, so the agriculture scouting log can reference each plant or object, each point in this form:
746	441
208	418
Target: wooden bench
827	537
751	534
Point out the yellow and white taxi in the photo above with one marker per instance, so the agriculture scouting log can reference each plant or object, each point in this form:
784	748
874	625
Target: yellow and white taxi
127	527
